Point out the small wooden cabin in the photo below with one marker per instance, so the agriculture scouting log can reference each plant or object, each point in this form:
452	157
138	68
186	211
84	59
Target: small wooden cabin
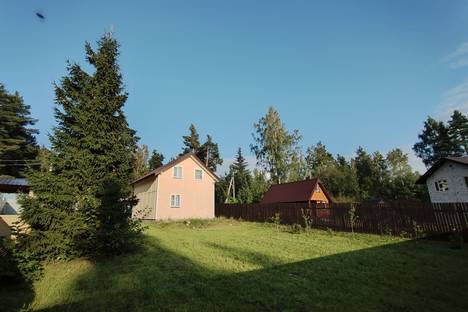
307	191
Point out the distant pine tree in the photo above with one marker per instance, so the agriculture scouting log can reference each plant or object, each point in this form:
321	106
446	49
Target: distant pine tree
191	141
156	160
18	145
82	205
439	140
210	149
458	132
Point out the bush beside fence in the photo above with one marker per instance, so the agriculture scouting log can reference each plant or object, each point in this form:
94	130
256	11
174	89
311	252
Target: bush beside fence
412	218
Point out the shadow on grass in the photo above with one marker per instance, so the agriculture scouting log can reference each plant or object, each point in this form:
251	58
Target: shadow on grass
408	276
15	293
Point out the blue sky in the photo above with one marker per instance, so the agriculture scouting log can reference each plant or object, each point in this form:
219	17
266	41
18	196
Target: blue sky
348	73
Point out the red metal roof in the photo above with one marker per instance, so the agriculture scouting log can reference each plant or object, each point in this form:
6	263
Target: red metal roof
300	191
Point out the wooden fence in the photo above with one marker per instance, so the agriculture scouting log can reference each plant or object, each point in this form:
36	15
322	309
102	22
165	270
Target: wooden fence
395	218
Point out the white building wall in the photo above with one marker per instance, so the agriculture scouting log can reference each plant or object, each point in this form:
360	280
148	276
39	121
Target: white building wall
457	189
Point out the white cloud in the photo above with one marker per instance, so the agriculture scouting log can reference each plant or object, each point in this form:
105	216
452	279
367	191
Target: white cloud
458	58
414	161
455	98
224	168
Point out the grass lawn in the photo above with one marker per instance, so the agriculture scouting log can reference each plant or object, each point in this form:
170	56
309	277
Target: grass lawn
229	265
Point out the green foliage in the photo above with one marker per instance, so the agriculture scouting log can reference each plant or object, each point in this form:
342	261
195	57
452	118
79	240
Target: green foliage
156	160
18	147
275	147
366	176
259	186
439	140
209	154
82	205
458	132
191	142
276	220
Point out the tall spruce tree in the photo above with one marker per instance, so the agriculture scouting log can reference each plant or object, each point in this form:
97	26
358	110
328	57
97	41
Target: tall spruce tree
242	178
156	160
458	132
82	205
209	154
191	141
18	147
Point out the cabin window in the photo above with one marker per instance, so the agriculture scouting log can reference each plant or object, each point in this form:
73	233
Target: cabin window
178	172
198	174
175	201
466	181
441	185
317	189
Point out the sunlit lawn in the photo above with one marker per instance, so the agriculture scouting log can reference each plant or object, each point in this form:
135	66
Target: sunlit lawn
227	265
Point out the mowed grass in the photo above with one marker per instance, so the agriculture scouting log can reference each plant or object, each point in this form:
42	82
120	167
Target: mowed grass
225	265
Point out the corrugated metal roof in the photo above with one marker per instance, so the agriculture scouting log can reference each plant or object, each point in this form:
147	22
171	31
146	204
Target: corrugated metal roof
14	182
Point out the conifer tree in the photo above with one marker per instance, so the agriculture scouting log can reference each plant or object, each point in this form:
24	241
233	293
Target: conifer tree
242	178
458	132
156	160
82	205
191	141
210	149
18	147
439	140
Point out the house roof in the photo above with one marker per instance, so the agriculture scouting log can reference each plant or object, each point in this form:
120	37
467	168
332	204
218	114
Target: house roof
463	160
13	185
300	191
174	162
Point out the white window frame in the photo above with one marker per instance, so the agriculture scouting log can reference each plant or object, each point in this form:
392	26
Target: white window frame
174	172
173	202
441	185
195	174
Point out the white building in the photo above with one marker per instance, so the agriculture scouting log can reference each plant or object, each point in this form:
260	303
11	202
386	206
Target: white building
447	180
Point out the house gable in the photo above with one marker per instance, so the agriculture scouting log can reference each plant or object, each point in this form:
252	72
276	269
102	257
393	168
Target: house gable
452	175
300	191
319	195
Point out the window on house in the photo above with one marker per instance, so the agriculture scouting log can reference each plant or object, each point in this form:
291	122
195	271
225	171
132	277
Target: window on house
466	181
178	172
441	185
175	201
198	174
317	189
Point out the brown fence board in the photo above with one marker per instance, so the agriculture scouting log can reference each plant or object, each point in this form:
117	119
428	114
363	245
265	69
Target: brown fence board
383	218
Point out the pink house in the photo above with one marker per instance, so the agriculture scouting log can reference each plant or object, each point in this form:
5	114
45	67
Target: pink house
182	189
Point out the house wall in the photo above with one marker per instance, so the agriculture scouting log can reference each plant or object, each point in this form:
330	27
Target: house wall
6	222
197	197
146	192
319	196
5	230
455	175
